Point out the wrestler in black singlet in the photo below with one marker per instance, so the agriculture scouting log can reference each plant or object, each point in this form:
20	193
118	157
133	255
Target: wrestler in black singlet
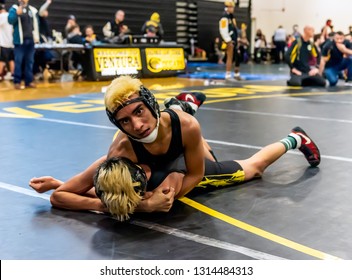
175	149
216	173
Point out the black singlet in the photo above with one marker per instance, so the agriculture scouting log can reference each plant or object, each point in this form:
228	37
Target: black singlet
217	174
176	149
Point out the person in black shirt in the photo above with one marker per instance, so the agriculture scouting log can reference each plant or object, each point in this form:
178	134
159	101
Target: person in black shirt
302	57
336	59
115	30
155	23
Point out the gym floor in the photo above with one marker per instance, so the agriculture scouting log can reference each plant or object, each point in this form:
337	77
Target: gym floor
293	212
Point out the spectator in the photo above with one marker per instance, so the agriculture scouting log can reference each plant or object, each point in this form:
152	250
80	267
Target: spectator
289	40
219	50
154	22
6	45
243	43
44	27
90	36
302	57
24	19
43	57
75	37
326	31
71	21
295	33
336	58
150	31
279	40
229	34
259	47
115	31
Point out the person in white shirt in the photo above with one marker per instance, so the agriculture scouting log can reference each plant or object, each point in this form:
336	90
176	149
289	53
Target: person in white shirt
279	40
6	44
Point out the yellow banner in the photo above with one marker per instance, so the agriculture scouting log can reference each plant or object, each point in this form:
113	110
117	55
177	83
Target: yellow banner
117	61
163	59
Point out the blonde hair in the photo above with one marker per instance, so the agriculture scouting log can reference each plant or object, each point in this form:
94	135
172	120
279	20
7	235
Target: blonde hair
114	185
120	90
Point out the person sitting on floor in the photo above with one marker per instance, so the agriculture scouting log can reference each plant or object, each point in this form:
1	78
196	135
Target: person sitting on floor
302	57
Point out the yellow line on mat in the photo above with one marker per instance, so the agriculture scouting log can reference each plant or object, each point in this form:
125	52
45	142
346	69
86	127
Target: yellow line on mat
257	231
263	96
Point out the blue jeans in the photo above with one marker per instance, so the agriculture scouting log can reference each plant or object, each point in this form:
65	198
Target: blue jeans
24	60
332	73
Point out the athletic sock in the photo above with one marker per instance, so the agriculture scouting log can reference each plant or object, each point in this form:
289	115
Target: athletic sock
291	142
193	106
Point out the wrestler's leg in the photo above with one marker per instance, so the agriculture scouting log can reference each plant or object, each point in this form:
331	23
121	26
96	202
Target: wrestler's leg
256	164
188	101
229	173
298	138
209	154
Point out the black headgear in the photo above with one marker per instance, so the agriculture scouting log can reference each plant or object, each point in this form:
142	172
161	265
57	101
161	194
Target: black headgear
137	173
144	95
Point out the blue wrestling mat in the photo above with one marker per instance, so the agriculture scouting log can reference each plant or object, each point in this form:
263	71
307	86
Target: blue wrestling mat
207	70
245	76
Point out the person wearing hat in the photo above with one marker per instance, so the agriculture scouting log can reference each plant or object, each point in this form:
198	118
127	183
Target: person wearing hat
6	45
71	21
154	23
24	19
229	34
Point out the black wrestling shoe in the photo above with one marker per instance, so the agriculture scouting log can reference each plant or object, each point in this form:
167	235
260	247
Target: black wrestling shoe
174	103
195	97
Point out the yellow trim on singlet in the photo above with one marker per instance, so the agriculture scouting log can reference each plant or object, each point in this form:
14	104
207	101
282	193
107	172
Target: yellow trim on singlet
115	135
222	180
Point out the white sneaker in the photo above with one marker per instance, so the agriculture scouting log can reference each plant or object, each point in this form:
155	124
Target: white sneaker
8	76
348	83
228	76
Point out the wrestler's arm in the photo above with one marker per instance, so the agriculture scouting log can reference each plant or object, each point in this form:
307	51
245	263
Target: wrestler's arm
193	153
162	198
71	194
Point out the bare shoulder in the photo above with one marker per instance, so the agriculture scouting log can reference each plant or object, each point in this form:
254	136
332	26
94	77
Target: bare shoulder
121	147
189	125
186	119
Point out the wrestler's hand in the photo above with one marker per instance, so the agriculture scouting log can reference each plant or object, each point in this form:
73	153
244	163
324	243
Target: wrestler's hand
44	184
162	199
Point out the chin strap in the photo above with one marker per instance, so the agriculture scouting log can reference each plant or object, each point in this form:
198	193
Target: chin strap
151	137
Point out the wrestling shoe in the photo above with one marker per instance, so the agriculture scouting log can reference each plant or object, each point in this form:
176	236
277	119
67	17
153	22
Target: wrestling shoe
195	97
176	104
307	147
